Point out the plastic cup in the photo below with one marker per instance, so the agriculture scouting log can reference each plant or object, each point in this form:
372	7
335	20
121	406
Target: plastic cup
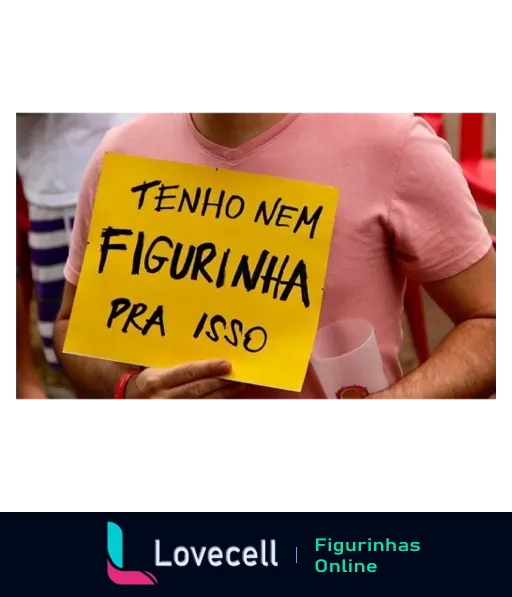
346	360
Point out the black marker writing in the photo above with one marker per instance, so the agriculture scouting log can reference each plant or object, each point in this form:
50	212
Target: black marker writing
121	305
278	213
162	197
205	262
175	197
142	189
106	246
253	340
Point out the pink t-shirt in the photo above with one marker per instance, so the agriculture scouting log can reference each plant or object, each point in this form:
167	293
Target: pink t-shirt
405	208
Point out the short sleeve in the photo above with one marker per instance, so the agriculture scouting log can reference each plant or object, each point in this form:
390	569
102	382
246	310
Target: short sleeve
437	229
83	214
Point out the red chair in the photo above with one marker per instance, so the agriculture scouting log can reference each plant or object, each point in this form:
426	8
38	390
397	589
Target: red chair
436	121
480	172
413	306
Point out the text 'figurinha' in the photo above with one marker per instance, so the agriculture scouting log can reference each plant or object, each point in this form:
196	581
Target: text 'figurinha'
272	275
263	555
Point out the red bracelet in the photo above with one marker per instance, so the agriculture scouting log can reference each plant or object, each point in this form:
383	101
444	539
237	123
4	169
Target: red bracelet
123	381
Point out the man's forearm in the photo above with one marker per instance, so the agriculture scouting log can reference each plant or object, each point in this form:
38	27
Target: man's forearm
90	378
463	366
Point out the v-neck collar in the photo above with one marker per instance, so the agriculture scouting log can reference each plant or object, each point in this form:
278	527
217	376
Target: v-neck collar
234	154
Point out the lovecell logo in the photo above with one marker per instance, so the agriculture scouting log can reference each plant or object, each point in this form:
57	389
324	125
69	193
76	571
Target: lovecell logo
265	554
115	570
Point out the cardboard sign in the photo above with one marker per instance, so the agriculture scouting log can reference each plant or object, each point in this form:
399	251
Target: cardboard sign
189	262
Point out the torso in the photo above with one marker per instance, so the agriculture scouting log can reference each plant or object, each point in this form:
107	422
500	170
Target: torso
358	154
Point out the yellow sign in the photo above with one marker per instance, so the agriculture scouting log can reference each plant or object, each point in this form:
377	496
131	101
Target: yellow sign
189	262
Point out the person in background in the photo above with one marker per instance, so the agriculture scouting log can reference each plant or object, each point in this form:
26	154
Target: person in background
28	381
52	152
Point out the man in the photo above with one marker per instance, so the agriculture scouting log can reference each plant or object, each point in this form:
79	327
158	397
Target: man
404	211
52	151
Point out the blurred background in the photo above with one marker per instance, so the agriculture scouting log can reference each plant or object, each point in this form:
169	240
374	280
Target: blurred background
436	324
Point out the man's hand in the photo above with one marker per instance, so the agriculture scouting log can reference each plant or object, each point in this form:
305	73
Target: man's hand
193	380
97	378
464	364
